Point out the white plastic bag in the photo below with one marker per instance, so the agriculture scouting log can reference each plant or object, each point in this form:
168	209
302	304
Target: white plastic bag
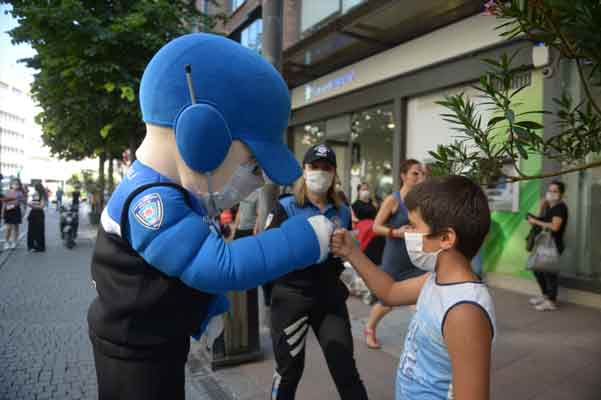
544	256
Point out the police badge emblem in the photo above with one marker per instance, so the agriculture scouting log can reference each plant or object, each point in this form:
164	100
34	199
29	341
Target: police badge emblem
149	211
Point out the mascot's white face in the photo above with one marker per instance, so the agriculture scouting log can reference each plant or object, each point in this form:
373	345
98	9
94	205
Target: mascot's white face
196	182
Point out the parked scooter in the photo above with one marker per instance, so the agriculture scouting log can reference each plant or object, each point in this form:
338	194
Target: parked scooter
69	222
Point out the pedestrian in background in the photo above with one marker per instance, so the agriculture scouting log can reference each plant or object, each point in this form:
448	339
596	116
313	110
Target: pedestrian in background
245	224
364	211
246	217
340	192
363	207
75	195
59	198
554	217
313	297
13	215
36	238
392	222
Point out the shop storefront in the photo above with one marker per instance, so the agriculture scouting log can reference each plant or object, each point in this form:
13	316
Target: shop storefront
362	141
382	110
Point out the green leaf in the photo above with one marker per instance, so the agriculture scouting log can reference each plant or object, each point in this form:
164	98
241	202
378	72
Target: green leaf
529	124
522	151
104	132
109	87
520	131
496	120
127	92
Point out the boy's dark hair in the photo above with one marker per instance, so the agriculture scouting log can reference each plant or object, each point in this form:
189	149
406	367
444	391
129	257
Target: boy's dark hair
453	202
560	185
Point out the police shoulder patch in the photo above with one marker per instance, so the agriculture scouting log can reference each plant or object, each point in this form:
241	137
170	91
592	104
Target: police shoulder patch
149	211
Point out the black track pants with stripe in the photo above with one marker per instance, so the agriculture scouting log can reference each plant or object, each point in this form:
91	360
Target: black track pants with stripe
292	313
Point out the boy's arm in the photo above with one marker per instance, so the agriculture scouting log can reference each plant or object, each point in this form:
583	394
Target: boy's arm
468	335
386	289
182	245
391	293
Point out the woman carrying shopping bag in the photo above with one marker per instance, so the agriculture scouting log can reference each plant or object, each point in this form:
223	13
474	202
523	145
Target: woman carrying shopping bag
553	218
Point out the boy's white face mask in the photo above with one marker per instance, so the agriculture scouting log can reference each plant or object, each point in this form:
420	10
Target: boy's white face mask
424	260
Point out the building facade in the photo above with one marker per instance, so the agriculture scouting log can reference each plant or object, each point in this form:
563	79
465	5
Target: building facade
365	77
22	151
14	125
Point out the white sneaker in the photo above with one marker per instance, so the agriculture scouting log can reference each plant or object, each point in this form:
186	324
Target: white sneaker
546	305
535	301
6	246
13	245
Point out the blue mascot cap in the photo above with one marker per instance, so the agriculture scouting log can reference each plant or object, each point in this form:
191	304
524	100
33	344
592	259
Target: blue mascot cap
238	95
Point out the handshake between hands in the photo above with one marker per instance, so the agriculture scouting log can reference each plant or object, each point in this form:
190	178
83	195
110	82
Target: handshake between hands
342	244
338	241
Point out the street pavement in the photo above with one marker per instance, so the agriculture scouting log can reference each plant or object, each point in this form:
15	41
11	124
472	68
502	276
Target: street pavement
44	348
537	356
45	352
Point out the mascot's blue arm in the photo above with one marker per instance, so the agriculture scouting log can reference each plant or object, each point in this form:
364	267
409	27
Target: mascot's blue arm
184	246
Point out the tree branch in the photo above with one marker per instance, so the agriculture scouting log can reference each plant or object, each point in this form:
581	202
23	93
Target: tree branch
593	164
586	87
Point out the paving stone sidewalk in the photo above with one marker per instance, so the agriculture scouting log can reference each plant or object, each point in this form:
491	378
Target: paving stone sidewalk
45	352
44	348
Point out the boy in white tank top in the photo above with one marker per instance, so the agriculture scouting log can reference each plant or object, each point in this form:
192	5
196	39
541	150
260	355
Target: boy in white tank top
447	351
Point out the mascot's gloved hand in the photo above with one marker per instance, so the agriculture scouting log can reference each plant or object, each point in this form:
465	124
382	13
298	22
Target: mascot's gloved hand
324	229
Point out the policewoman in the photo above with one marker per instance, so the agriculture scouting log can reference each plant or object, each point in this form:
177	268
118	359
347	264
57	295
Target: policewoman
313	297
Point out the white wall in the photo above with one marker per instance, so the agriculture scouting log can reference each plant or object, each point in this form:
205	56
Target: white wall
426	129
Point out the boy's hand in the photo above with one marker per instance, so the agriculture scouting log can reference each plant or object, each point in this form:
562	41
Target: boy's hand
342	244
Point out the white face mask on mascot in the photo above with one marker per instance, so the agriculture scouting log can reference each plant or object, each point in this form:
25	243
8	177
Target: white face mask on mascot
246	179
229	184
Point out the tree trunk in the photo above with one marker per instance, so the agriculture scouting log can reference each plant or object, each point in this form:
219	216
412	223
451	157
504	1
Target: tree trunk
110	177
101	181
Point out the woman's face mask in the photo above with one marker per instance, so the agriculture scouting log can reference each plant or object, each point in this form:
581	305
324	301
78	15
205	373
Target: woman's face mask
318	181
552	197
364	195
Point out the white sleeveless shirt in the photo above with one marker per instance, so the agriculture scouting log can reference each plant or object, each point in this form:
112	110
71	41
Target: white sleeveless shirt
424	371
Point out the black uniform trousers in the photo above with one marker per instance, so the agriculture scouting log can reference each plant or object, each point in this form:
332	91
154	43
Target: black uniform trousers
134	377
293	311
36	238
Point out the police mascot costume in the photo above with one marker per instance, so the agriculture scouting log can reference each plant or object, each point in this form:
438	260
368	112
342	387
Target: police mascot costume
215	115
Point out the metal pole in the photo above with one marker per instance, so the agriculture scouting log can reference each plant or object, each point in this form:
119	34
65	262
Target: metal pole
241	340
272	51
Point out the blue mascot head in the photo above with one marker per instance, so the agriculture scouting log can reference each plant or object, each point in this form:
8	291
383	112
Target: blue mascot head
211	92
